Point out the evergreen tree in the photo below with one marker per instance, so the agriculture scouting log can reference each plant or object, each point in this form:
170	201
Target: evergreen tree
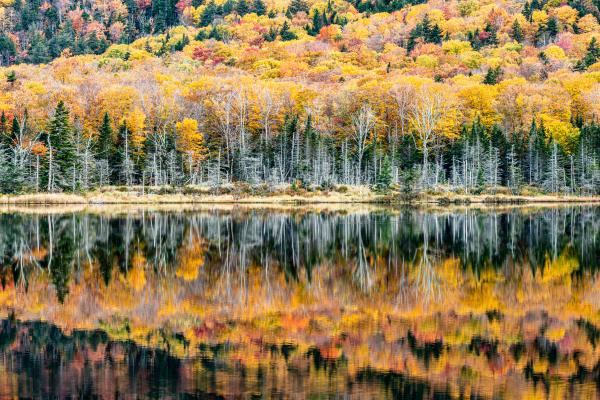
259	7
11	77
384	179
228	7
61	166
591	57
517	32
11	178
242	8
492	76
317	23
552	27
208	14
527	11
286	34
271	35
105	146
8	50
435	35
297	6
39	51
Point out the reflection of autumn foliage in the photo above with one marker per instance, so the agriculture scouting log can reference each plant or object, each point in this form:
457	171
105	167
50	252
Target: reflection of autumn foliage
440	316
191	259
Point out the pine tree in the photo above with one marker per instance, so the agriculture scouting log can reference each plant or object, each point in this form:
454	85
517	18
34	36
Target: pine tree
105	146
592	56
11	77
4	134
61	167
435	35
286	34
11	179
492	76
517	31
297	6
242	8
552	27
317	23
208	15
384	179
260	7
271	35
527	11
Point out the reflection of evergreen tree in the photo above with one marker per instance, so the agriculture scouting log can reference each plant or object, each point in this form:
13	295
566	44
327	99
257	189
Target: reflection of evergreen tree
62	264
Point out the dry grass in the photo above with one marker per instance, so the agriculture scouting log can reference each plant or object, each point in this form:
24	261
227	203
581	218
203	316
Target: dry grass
274	196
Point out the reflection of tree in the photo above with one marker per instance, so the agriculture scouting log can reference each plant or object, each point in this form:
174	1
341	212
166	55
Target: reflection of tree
62	263
368	247
426	283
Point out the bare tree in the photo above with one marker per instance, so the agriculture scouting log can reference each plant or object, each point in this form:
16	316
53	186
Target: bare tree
426	113
363	122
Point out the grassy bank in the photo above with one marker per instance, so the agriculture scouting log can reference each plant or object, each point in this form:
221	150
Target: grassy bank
280	195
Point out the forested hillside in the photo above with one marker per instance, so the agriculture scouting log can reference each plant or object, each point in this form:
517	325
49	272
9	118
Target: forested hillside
456	95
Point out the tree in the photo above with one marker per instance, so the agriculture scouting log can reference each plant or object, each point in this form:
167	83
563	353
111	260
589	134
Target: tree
362	122
8	50
105	149
493	75
191	143
61	159
552	27
384	179
11	77
259	7
286	34
591	57
517	32
297	6
426	114
242	7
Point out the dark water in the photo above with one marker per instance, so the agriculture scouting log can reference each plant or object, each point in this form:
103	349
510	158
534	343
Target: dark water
300	303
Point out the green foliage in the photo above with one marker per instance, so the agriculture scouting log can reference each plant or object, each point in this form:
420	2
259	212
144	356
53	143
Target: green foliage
591	57
493	76
286	34
426	32
517	32
384	179
60	141
297	6
11	77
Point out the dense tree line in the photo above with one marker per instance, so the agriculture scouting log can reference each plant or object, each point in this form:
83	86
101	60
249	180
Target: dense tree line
479	160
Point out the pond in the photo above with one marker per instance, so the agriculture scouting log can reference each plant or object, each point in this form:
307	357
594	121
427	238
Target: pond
306	302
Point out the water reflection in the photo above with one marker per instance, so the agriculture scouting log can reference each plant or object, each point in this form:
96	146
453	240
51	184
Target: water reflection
414	303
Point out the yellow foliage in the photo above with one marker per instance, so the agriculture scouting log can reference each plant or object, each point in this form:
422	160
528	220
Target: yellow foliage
563	132
191	259
135	122
136	277
539	17
190	140
554	52
478	101
566	15
588	23
456	46
427	61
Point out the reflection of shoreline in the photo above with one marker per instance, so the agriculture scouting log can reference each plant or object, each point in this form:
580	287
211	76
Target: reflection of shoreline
287	207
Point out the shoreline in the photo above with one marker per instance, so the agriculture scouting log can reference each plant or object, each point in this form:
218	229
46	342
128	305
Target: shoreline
353	195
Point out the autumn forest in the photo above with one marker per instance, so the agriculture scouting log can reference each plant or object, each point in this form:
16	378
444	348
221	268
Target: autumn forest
470	96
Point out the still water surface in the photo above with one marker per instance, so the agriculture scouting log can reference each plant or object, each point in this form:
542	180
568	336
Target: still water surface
233	302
